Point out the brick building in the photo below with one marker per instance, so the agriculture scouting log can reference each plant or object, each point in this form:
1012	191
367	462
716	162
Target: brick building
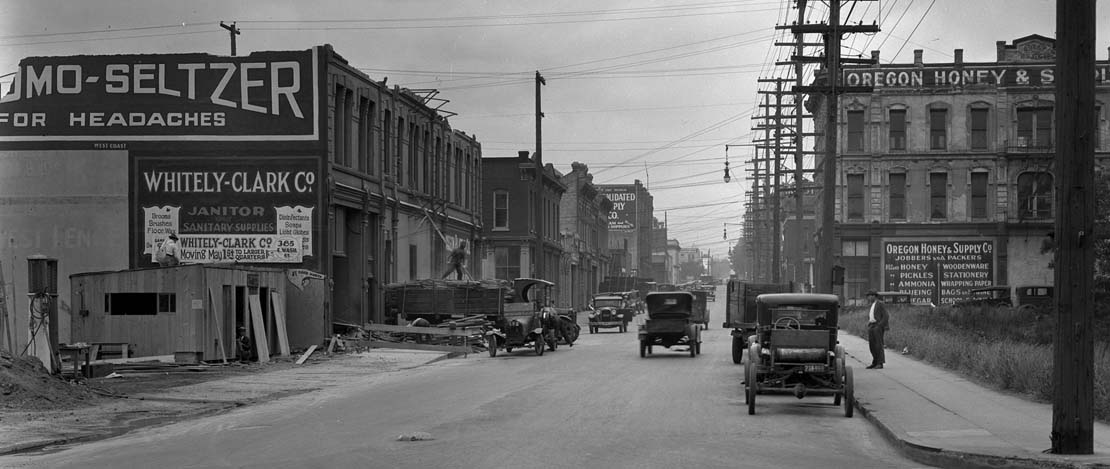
945	172
584	227
630	228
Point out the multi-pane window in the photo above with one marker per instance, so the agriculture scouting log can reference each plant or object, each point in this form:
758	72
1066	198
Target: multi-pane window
980	139
898	196
399	148
500	210
938	129
979	194
365	129
938	196
855	130
855	197
897	129
507	262
414	165
387	142
855	247
1035	195
1034	127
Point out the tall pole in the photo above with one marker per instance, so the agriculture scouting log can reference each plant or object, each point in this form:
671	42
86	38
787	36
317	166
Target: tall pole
539	202
799	69
825	257
233	31
1073	362
776	230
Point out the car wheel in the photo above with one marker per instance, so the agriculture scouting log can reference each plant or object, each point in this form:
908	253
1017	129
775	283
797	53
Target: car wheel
492	344
838	378
539	345
643	349
738	346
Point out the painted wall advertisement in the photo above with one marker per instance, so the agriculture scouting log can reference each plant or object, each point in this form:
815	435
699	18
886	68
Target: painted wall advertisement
940	272
623	215
250	210
272	95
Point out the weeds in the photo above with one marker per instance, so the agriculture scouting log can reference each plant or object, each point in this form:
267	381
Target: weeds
998	347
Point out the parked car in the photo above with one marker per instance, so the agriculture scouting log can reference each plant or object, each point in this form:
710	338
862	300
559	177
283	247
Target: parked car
795	350
1033	298
998	295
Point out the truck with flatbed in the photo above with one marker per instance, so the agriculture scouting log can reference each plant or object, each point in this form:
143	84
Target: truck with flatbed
740	311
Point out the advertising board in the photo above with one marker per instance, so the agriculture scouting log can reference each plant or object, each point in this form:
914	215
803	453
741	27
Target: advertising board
940	272
270	95
623	215
252	210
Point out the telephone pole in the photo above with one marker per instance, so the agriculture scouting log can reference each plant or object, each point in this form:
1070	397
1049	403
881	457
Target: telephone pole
1073	359
539	203
233	31
832	32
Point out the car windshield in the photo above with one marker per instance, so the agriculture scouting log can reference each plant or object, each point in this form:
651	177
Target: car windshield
805	315
607	303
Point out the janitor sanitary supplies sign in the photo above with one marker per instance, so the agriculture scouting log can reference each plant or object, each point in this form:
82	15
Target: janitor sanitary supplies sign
251	210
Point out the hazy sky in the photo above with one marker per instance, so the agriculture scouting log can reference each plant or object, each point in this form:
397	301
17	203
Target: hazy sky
648	90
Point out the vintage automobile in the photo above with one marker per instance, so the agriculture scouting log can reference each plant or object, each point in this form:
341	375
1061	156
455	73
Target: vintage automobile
522	323
998	295
669	323
610	310
1033	298
795	350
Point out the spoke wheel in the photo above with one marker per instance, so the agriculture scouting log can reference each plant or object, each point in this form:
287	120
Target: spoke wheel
492	343
539	345
750	385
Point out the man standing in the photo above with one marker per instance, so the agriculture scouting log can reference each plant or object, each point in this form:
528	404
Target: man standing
456	260
877	324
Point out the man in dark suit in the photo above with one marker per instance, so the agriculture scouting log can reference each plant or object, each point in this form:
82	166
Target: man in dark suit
877	324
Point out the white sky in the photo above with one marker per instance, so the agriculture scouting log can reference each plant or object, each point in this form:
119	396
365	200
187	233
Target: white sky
649	90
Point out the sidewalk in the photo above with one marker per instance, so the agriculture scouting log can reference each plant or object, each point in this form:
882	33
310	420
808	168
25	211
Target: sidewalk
114	417
937	417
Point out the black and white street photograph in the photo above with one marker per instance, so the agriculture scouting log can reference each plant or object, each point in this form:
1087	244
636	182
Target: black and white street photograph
562	234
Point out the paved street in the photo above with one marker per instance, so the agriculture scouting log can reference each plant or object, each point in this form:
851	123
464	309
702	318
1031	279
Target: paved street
597	404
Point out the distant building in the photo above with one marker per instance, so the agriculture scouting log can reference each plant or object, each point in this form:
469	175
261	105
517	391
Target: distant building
584	227
945	178
630	228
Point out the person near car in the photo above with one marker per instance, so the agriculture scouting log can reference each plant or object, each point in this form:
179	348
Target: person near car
878	322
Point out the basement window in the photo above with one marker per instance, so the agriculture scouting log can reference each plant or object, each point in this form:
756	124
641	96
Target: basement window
139	304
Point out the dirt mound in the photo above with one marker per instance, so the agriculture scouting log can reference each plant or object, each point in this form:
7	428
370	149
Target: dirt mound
26	385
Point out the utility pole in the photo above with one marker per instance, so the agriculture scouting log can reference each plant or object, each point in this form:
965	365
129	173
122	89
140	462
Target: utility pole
233	31
832	31
1073	361
539	202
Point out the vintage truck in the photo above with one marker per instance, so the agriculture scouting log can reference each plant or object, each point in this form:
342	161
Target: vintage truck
503	303
740	311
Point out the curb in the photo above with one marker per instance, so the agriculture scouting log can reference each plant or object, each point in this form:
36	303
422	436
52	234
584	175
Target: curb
948	458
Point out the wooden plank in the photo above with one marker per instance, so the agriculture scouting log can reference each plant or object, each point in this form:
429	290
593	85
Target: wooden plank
306	354
411	346
279	320
217	316
331	344
459	332
260	344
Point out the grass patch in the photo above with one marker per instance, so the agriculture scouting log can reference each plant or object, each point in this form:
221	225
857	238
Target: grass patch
997	347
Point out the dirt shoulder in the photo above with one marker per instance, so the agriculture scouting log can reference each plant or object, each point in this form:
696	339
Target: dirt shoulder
38	410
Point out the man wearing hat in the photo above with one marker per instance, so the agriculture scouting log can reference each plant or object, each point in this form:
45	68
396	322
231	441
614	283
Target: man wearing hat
877	324
168	251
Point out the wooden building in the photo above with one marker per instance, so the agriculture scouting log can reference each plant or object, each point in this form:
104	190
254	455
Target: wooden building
193	312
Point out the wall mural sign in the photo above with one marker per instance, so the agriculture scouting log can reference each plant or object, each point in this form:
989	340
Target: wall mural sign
940	272
271	95
250	210
623	216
